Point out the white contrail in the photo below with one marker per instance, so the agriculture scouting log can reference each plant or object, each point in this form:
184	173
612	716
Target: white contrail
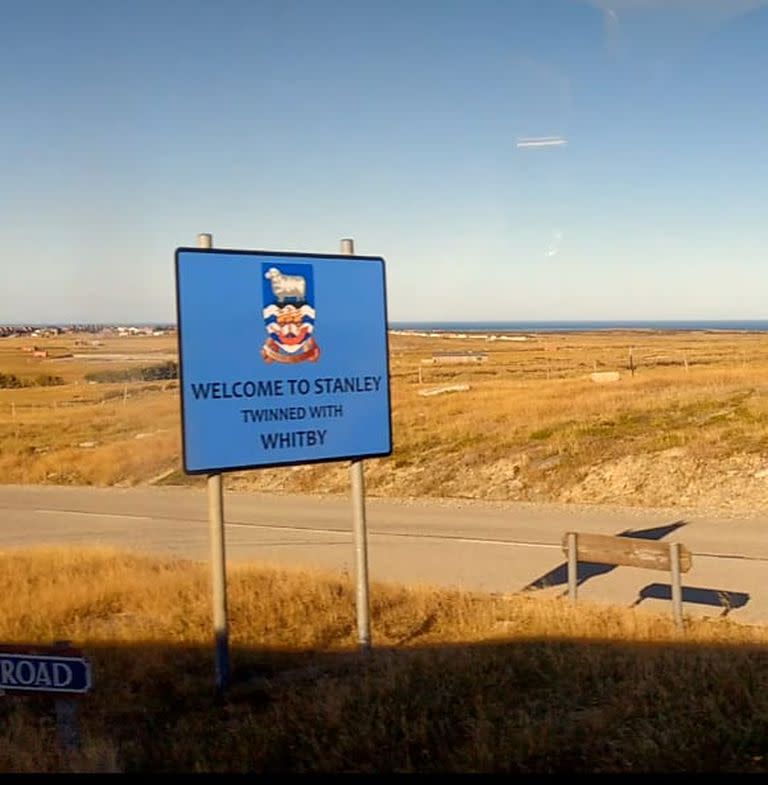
541	141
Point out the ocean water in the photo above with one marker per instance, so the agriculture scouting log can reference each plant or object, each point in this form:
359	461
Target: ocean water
729	325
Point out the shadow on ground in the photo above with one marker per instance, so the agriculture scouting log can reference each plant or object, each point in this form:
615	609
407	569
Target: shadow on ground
554	705
718	598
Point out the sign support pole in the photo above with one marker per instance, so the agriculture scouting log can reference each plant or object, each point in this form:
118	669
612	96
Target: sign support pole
357	481
573	566
218	557
677	589
67	721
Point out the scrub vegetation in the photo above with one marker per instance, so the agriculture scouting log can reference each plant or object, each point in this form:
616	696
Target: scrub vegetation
455	681
686	423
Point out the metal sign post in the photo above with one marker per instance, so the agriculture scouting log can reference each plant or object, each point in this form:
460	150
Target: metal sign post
573	567
357	481
218	557
283	360
677	588
56	670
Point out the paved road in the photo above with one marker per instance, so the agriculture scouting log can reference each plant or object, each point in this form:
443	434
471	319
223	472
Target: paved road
503	548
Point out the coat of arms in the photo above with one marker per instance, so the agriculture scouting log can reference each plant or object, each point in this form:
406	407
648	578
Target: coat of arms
289	314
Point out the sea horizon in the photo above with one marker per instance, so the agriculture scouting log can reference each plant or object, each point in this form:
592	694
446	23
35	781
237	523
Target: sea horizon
545	326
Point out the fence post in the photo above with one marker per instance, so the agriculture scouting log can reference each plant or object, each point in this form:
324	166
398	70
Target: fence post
573	563
67	721
677	589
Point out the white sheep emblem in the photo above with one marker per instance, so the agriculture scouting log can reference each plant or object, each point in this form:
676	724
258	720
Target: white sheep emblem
286	287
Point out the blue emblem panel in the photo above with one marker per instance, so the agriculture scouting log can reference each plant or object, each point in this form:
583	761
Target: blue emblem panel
289	313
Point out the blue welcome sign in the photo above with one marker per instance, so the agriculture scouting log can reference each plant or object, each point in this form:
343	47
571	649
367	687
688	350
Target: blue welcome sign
283	358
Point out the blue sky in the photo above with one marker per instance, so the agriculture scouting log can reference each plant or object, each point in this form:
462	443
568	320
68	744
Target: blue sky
127	128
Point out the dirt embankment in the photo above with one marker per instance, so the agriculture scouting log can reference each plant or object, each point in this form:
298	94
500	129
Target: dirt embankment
674	478
670	478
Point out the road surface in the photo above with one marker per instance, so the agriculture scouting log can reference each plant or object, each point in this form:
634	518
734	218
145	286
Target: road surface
495	547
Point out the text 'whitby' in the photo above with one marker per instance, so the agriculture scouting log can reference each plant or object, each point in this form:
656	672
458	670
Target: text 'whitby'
286	439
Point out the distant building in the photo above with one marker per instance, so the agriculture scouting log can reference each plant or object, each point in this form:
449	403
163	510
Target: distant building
459	358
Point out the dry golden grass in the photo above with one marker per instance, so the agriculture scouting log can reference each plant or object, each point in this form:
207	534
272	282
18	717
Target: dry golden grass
690	425
130	431
456	681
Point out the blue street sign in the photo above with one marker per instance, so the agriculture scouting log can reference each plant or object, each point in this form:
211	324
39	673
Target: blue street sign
44	673
283	358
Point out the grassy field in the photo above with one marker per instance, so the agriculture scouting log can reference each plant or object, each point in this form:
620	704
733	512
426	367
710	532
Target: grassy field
688	426
456	682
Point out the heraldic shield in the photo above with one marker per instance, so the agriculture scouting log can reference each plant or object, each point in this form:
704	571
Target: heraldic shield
289	313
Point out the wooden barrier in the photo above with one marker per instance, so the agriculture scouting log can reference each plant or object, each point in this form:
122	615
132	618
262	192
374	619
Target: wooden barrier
628	552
